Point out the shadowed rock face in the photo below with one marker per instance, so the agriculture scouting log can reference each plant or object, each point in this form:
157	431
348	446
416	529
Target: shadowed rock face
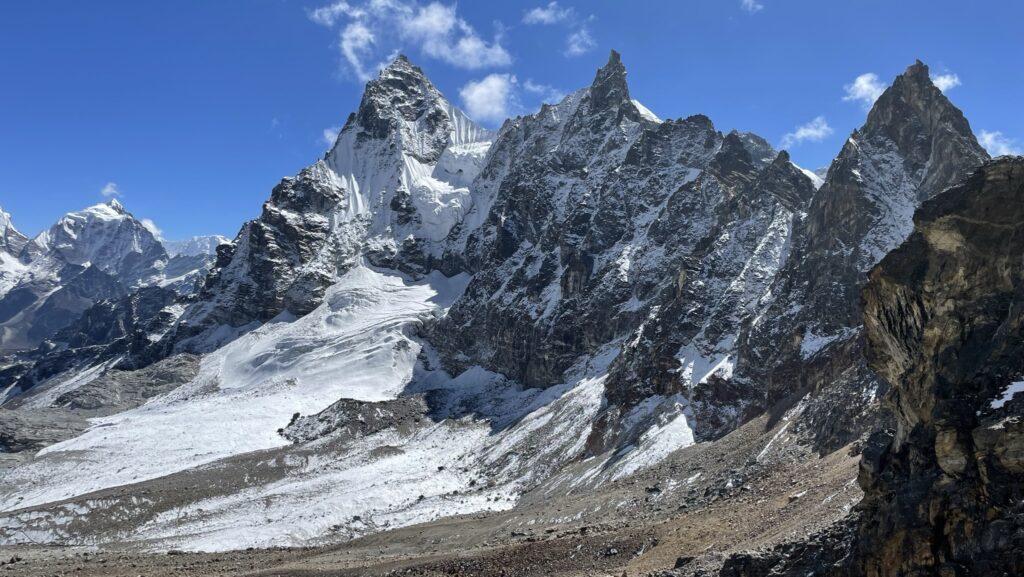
944	323
914	144
944	317
110	329
611	233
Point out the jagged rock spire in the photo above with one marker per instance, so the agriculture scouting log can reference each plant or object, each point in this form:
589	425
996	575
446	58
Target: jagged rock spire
928	130
913	102
401	92
609	87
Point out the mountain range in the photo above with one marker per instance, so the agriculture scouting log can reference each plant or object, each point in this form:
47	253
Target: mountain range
589	320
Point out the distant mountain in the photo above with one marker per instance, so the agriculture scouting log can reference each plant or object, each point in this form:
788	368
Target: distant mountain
11	244
195	246
99	253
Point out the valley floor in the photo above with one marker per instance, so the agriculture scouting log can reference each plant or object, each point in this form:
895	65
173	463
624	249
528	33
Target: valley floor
702	502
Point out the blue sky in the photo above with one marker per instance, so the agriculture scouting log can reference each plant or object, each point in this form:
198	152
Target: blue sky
193	110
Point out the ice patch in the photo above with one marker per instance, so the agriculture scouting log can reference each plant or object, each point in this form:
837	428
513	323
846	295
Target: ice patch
355	345
1007	395
646	112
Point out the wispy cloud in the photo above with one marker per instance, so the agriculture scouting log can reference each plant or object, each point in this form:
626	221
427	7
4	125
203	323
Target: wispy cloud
330	135
373	32
998	144
548	94
580	39
580	42
946	82
110	189
490	99
814	131
329	15
865	89
751	6
550	14
152	228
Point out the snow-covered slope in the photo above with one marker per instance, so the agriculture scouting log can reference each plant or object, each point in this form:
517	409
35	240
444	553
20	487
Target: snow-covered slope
473	443
390	190
353	346
11	244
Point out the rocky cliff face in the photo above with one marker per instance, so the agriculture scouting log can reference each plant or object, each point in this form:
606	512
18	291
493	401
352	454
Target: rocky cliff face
944	323
944	317
115	329
390	190
613	235
914	144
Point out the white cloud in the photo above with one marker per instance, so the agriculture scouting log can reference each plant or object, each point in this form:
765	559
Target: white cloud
489	99
997	144
947	81
374	31
328	15
580	39
751	6
814	131
330	135
356	42
548	94
152	228
110	189
549	14
580	42
865	89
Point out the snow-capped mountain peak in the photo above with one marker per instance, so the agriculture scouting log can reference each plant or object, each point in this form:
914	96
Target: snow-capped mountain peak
100	252
106	236
11	239
390	191
11	244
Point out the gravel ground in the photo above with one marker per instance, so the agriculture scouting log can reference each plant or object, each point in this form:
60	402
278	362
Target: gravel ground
702	502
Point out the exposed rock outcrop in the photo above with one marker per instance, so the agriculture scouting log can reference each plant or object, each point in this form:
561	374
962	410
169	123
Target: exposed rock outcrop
944	317
914	144
613	235
944	322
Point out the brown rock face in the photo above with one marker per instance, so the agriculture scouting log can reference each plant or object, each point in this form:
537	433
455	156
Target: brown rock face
944	318
914	144
944	326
